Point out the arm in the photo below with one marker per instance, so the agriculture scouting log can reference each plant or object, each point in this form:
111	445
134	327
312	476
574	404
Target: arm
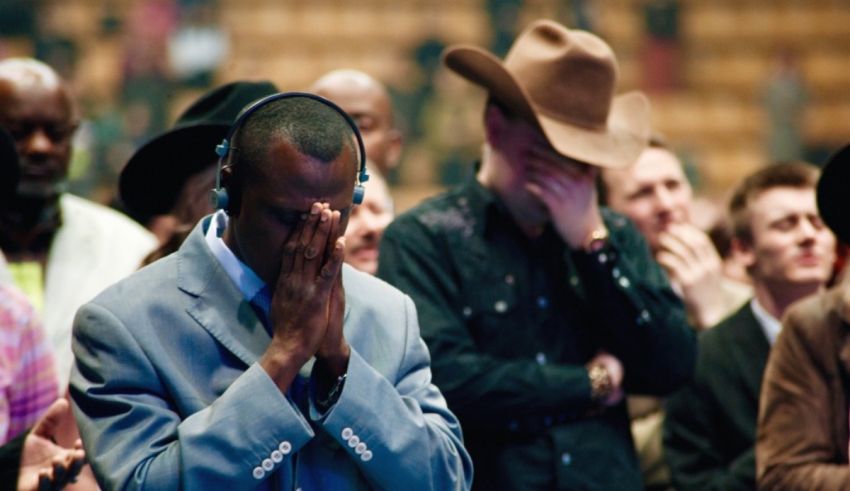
642	320
494	389
33	386
692	437
114	387
403	423
795	448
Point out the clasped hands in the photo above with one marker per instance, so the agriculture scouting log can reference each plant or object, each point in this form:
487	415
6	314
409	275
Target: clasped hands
308	303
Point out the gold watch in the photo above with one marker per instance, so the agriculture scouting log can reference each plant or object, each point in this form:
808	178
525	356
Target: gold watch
596	241
601	384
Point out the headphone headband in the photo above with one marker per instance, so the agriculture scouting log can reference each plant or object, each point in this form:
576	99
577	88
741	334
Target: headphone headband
219	197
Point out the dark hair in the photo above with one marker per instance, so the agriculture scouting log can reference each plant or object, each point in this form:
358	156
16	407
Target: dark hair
780	174
314	128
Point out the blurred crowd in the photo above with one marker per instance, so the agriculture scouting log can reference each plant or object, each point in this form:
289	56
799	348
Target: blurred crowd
588	320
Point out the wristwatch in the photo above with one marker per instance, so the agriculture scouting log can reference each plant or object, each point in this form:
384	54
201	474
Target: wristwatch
333	394
596	241
601	384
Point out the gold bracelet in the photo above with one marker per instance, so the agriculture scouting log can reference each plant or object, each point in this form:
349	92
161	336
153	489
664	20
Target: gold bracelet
601	384
596	240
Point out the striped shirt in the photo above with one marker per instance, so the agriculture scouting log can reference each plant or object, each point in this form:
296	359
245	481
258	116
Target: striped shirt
27	375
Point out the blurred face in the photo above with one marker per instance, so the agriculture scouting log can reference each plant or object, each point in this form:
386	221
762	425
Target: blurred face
40	118
653	192
366	226
275	196
791	246
369	106
514	146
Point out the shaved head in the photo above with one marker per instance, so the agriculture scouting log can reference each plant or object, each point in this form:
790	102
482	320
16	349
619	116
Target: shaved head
368	102
37	109
28	72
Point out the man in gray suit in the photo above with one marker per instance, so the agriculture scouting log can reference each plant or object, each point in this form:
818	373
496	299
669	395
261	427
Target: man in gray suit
253	357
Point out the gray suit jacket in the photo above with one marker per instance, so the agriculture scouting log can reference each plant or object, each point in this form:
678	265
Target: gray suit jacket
168	393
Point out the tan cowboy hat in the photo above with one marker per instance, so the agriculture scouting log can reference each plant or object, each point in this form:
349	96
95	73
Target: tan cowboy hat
563	81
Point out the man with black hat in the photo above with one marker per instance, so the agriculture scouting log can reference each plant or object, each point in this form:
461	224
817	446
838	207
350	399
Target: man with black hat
62	250
540	309
172	174
803	435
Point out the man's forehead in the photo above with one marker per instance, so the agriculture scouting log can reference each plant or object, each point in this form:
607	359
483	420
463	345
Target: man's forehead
784	200
28	75
26	98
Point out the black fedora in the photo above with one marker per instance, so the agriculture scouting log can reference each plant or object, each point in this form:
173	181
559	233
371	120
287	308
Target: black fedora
151	181
10	170
834	194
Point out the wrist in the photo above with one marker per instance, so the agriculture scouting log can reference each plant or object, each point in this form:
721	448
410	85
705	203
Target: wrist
334	362
281	366
601	383
595	240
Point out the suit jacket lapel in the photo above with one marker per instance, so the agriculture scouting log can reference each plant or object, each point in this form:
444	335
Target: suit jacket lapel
752	348
218	305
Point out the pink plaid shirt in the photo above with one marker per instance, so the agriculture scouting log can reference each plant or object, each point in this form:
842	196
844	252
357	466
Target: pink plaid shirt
27	376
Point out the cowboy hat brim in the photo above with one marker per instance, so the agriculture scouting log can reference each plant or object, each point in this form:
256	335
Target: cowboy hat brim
153	178
616	146
832	196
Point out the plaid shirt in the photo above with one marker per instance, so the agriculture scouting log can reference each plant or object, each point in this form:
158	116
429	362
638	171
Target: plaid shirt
27	376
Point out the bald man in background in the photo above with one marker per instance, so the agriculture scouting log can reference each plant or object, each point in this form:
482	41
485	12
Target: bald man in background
367	101
62	250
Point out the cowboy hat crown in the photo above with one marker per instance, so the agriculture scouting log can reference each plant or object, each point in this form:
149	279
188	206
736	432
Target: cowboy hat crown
563	81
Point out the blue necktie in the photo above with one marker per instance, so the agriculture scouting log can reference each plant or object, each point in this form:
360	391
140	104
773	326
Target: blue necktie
262	303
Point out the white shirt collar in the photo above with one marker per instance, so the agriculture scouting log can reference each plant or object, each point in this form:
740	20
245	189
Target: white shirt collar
243	276
769	325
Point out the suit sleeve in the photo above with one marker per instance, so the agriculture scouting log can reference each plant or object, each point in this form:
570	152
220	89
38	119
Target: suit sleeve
403	424
795	449
134	439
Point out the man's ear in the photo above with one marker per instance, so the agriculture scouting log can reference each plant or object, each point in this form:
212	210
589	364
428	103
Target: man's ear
743	252
394	148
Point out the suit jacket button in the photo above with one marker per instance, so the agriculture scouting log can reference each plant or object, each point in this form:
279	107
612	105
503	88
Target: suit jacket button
366	456
346	433
285	448
258	473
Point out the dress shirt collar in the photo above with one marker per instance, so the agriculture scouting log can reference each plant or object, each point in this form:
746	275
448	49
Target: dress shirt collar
243	276
769	325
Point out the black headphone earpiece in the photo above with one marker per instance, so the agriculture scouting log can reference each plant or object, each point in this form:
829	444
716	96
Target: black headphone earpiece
220	198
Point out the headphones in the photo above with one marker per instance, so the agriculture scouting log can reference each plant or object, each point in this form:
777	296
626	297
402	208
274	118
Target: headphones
219	196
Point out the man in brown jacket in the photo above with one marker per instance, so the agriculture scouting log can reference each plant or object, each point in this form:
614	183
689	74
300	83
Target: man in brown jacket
803	419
